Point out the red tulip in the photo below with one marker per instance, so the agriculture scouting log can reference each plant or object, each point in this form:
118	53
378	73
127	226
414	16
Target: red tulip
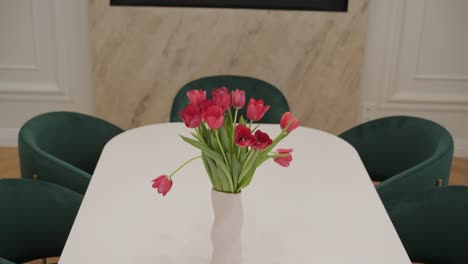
243	136
262	140
191	116
238	98
214	116
256	109
284	160
287	119
221	97
163	184
196	96
203	105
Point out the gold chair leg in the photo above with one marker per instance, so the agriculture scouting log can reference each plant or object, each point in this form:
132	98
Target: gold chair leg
439	182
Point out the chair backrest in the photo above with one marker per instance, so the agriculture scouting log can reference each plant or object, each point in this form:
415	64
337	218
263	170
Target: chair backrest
59	145
4	261
392	145
255	88
433	224
405	153
36	218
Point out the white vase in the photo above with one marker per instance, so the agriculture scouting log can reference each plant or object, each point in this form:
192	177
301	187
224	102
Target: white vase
227	227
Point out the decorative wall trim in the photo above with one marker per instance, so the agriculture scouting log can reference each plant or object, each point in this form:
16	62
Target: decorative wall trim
388	63
28	67
19	67
63	80
453	78
429	98
389	74
57	91
9	137
424	76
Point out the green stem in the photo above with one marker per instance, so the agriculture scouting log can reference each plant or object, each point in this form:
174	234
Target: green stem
221	147
181	166
234	131
235	117
255	128
231	184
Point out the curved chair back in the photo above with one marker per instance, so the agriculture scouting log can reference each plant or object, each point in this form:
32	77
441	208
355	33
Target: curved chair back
404	153
63	147
433	224
255	88
36	219
4	261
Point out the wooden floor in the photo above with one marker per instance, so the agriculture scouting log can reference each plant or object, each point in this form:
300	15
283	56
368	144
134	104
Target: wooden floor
9	168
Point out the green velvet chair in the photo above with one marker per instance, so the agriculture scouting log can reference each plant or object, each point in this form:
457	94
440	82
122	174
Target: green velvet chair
405	154
433	224
255	88
36	218
4	261
63	147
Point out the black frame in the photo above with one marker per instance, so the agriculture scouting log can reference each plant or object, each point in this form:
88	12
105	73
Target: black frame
317	5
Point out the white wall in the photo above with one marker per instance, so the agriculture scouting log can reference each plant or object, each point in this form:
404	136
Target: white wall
44	61
416	63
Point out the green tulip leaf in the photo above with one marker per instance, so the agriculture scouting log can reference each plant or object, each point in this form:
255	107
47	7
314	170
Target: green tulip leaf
235	170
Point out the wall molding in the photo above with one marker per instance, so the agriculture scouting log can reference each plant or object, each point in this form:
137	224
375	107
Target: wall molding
19	67
430	98
35	65
392	82
387	62
58	90
453	78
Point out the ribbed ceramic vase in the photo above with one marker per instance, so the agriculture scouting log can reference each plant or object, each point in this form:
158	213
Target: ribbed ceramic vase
227	227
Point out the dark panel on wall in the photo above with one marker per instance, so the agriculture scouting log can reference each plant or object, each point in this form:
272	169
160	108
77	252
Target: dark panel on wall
315	5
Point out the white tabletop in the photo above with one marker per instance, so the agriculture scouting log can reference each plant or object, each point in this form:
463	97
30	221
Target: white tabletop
322	209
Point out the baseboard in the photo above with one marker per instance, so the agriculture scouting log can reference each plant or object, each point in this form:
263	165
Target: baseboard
461	147
9	137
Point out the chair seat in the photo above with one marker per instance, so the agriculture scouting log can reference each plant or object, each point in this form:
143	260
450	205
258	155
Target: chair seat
433	224
36	218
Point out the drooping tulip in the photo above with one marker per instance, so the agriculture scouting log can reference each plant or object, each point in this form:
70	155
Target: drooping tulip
163	184
288	119
256	109
284	160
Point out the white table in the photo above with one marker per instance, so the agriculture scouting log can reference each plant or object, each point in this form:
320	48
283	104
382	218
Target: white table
322	209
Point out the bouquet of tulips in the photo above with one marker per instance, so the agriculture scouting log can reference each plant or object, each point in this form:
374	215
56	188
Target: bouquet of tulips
232	148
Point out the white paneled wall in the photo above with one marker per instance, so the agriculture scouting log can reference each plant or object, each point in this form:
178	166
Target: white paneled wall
416	63
44	61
